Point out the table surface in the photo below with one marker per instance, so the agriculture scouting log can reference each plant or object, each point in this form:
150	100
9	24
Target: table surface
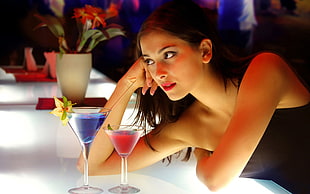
38	154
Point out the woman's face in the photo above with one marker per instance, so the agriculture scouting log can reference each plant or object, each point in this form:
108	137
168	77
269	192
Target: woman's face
173	64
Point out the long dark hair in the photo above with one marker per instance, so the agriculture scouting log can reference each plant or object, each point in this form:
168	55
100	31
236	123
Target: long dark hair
187	21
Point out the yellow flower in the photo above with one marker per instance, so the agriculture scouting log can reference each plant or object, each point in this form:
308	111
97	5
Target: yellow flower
62	109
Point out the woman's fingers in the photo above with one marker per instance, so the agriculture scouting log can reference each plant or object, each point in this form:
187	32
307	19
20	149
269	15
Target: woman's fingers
153	88
148	77
139	73
149	83
144	89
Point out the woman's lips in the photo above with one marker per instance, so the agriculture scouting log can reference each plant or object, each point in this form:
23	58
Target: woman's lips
168	86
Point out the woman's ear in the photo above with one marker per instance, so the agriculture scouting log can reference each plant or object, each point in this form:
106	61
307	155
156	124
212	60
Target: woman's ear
206	50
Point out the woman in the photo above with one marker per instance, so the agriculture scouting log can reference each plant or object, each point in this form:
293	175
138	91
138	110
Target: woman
245	117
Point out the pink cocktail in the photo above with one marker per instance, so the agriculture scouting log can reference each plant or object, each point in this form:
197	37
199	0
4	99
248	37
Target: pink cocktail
124	141
124	138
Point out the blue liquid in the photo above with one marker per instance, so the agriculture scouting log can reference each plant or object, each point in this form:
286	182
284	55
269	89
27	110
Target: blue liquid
86	125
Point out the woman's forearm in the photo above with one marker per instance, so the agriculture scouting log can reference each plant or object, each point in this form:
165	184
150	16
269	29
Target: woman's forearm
118	101
101	148
102	157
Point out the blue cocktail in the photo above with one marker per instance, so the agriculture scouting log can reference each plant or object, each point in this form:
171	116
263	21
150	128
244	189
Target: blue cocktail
85	122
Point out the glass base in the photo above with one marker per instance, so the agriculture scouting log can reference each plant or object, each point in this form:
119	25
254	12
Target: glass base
85	190
123	190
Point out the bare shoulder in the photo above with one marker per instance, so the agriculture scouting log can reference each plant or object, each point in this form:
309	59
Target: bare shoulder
269	61
268	67
267	55
270	73
262	66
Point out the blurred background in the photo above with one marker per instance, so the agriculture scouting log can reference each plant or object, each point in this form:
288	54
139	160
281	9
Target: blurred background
279	26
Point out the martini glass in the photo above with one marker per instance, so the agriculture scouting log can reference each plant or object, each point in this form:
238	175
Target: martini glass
124	138
85	122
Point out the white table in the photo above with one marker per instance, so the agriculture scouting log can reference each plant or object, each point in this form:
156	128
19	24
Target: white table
24	93
38	154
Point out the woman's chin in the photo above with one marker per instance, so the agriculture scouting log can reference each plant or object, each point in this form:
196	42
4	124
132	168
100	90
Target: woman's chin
175	97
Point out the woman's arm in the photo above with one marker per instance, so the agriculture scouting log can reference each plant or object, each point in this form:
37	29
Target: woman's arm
106	161
101	147
261	90
102	157
172	138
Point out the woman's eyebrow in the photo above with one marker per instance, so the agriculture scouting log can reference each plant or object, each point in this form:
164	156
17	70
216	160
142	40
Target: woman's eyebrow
161	50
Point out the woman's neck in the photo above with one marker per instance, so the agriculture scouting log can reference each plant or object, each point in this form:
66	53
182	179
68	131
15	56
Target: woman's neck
213	93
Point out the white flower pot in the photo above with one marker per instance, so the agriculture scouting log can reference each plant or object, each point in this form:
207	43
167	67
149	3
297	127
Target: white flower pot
73	72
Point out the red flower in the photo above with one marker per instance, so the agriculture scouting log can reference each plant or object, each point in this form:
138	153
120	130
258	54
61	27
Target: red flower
95	14
91	24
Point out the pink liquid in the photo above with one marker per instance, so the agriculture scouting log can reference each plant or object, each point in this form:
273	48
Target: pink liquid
124	141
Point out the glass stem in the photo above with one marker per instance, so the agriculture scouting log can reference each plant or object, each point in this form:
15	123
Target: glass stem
85	156
124	180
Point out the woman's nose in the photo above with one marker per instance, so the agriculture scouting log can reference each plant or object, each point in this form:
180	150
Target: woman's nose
161	71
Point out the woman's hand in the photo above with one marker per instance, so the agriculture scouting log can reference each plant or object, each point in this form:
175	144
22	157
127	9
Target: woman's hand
139	74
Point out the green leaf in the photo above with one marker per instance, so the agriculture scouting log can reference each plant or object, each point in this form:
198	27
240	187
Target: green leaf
65	101
115	32
53	24
64	115
96	39
85	36
63	47
99	36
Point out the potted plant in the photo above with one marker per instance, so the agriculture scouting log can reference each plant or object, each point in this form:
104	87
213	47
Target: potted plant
74	59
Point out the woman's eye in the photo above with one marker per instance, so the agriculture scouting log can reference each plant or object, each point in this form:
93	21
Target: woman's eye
169	54
149	61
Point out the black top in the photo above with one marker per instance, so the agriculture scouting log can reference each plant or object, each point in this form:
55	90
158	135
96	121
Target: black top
283	154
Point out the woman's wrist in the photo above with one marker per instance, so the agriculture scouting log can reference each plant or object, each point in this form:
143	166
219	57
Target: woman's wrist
128	83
